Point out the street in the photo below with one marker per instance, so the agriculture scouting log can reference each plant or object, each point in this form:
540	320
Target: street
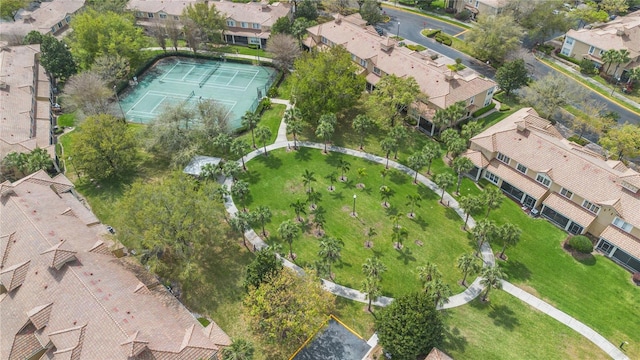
411	24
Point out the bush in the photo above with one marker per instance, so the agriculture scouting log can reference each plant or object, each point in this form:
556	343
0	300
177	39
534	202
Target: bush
273	92
416	47
407	2
569	59
499	96
463	15
411	121
444	39
484	110
578	140
587	67
431	32
581	244
504	107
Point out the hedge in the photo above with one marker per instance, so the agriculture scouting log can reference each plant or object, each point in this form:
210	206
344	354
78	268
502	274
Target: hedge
569	59
444	39
581	244
504	107
431	32
416	47
499	96
576	139
484	110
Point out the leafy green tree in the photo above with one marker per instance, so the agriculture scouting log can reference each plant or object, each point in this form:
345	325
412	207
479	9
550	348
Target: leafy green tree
385	194
300	26
428	273
250	121
622	141
430	151
467	263
293	120
398	235
609	58
325	82
493	37
344	166
208	19
299	208
372	290
621	57
591	118
392	95
240	190
286	310
510	235
239	349
588	13
239	148
330	248
265	265
325	130
373	267
111	68
550	93
492	277
319	220
263	134
289	231
409	326
444	180
461	165
362	124
424	4
10	8
470	204
55	57
105	33
413	201
17	165
281	26
370	11
285	50
105	147
117	6
401	136
444	118
416	161
543	19
439	292
210	171
614	6
231	169
307	9
512	75
492	199
470	129
222	143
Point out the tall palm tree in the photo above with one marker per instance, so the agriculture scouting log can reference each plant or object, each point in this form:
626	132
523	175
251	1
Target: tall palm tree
239	349
416	161
484	232
609	57
240	223
239	147
308	179
444	180
428	273
439	291
388	145
289	231
510	235
295	128
371	232
344	166
325	132
467	263
299	207
362	173
371	289
250	120
38	159
413	201
319	220
222	142
332	178
263	134
362	124
209	171
240	190
461	165
492	199
373	267
385	194
492	277
621	57
398	235
330	248
470	204
313	197
231	169
263	215
634	75
384	172
430	152
395	220
400	135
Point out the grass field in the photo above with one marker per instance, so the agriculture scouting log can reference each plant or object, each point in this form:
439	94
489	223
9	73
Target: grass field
270	118
436	226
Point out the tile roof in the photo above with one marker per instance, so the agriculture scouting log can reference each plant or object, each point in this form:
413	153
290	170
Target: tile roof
477	157
23	127
437	354
570	209
170	7
621	33
535	143
43	18
513	177
79	297
622	239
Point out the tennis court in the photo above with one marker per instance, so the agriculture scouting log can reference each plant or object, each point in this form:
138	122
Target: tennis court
239	87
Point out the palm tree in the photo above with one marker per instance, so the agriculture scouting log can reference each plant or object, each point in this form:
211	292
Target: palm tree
263	134
429	152
467	263
428	273
484	231
231	169
240	189
395	220
299	207
388	145
372	290
362	124
384	172
399	134
440	119
240	224
413	201
38	159
263	215
492	277
470	204
293	119
330	251
344	166
622	57
222	142
439	291
289	231
319	220
250	120
398	235
332	178
308	179
416	162
510	235
609	57
208	171
373	267
313	197
239	148
362	173
239	349
493	199
634	75
371	232
385	194
443	180
461	165
325	132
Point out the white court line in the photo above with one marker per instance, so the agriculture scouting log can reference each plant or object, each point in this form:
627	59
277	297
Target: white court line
170	70
138	102
162	93
233	77
188	72
223	86
160	103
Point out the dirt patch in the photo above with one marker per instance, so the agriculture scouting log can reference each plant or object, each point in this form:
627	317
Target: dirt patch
360	186
397	246
368	244
346	208
411	215
384	204
294	186
419	243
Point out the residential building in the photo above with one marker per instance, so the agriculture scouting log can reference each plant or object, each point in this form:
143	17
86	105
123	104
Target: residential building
47	17
247	23
477	7
378	56
65	295
26	119
571	186
620	33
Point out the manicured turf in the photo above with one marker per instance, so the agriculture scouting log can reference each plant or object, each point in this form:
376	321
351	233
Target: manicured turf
271	118
276	181
506	328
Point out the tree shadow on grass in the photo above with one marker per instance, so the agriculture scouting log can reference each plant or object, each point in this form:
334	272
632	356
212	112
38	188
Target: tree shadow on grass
503	316
454	340
253	177
516	270
420	221
333	159
366	190
405	255
452	214
426	193
587	259
303	154
398	177
391	210
270	161
337	195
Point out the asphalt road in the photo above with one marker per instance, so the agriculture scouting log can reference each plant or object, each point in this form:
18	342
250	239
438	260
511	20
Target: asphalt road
411	24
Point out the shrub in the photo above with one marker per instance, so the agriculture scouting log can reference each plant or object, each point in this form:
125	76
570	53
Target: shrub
581	244
587	67
273	92
569	59
504	107
435	57
463	15
416	47
411	121
636	278
578	140
407	2
444	39
431	32
499	96
484	110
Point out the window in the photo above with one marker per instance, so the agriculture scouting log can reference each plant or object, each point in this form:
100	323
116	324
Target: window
324	40
60	24
601	52
255	25
491	177
622	224
150	15
363	62
176	17
566	193
487	102
244	25
254	40
504	158
591	207
138	14
376	70
591	50
471	100
53	29
67	19
565	51
490	92
569	41
163	16
477	3
231	23
543	179
522	168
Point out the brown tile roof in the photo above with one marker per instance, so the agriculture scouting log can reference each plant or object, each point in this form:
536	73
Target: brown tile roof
43	18
437	354
621	33
570	209
517	179
170	7
622	239
90	305
534	142
477	157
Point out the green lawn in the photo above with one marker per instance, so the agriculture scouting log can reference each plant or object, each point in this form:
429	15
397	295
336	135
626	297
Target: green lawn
436	226
66	120
596	291
506	328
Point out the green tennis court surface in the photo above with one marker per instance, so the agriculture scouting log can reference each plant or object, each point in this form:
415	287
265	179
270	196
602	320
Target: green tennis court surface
238	87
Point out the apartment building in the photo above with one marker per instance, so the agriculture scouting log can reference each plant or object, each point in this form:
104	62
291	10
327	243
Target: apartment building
477	7
572	187
378	56
592	43
47	17
64	294
247	23
26	121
